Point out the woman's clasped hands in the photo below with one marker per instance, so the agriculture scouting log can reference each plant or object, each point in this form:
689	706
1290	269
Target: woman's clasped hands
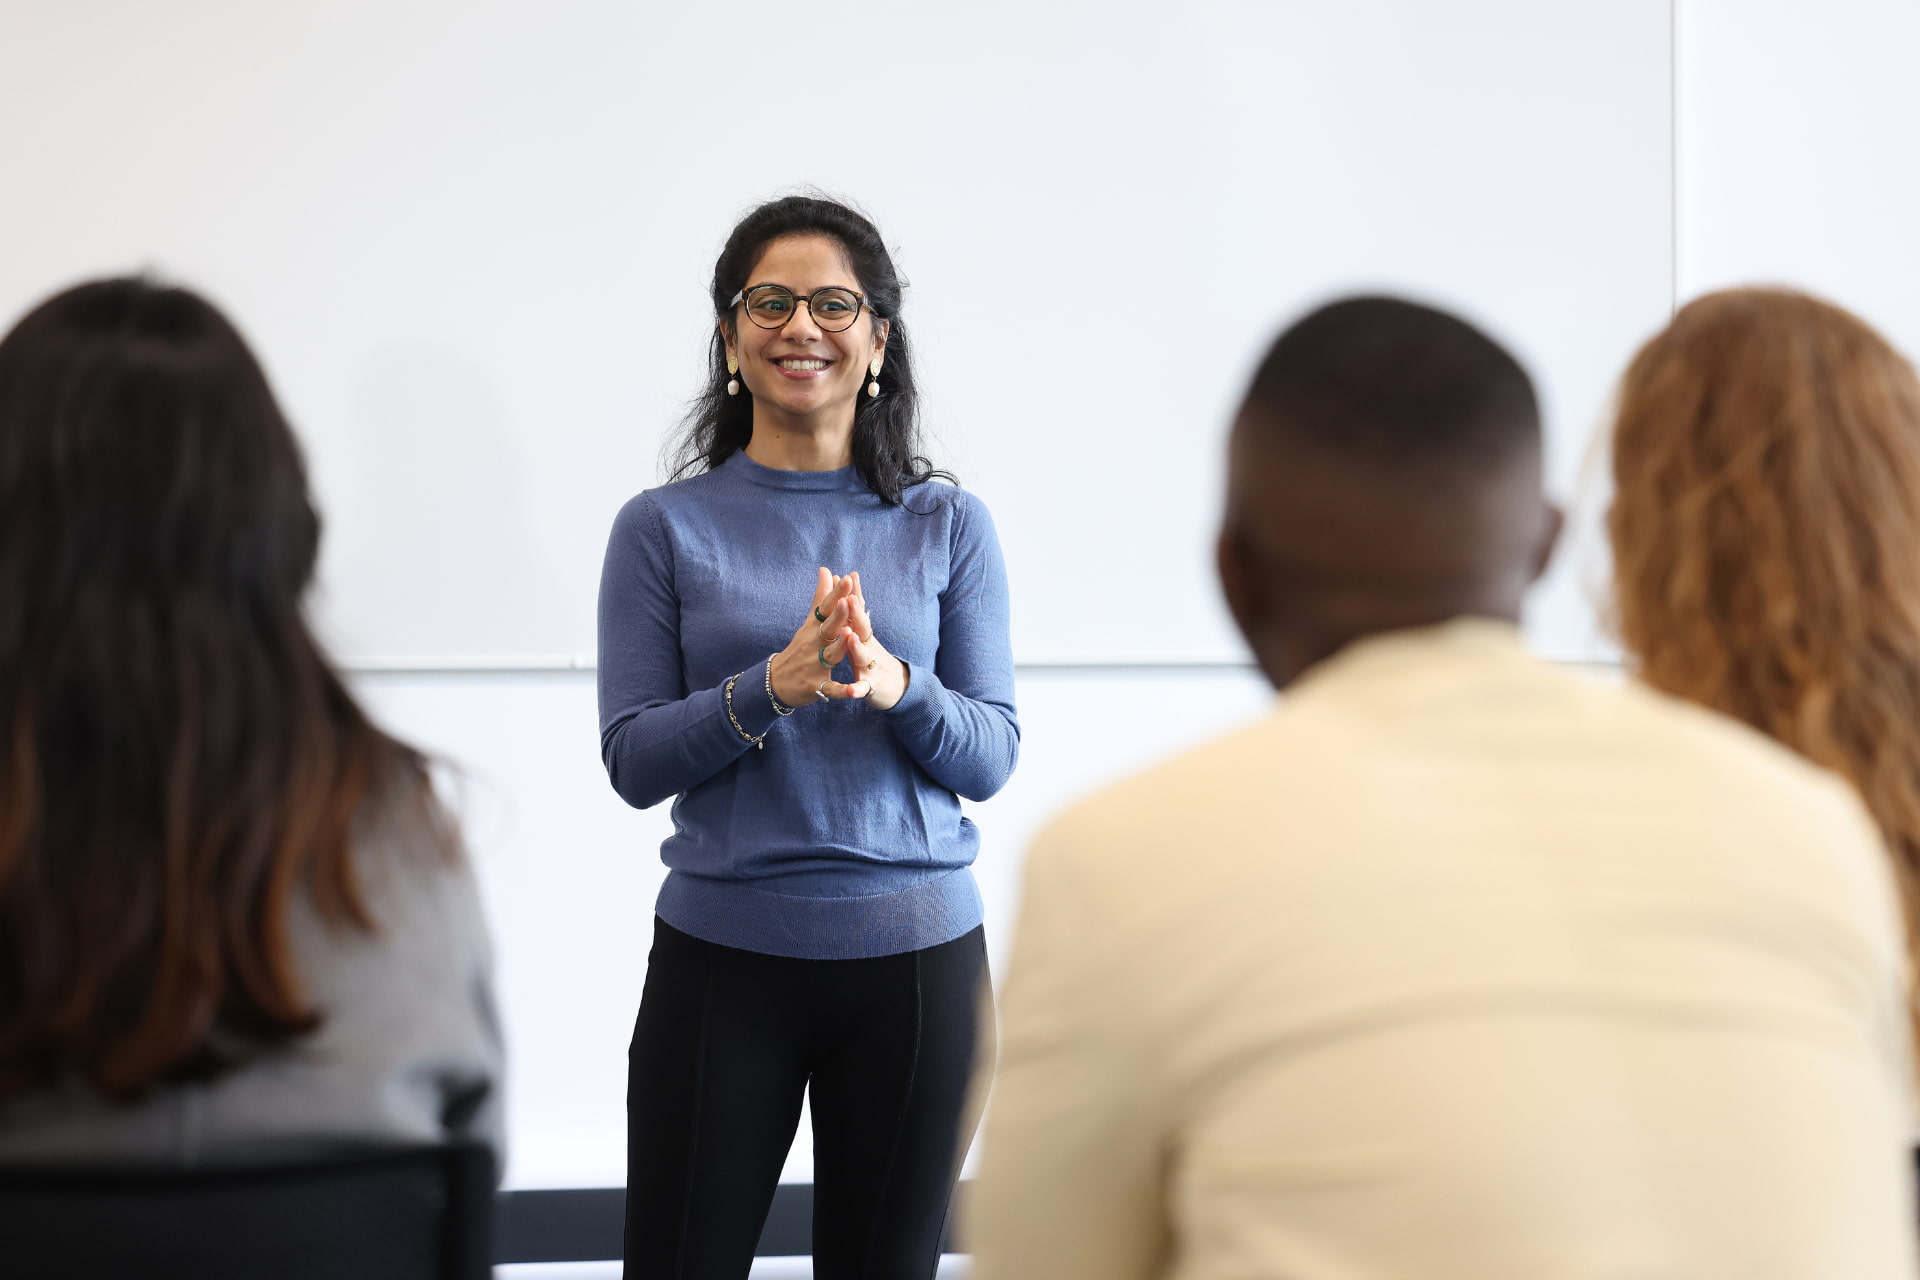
839	628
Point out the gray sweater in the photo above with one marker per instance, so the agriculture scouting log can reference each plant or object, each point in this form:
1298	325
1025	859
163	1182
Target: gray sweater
409	1051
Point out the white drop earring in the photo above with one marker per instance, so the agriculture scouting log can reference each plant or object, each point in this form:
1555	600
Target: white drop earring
733	383
873	388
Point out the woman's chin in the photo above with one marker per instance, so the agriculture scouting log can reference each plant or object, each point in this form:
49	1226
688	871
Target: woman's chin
807	403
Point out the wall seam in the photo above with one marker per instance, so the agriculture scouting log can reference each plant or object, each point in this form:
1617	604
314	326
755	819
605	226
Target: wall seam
1673	156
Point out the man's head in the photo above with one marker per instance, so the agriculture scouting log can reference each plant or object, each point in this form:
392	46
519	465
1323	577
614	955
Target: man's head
1384	473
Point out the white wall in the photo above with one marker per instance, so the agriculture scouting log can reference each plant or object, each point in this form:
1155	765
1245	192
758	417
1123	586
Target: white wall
1799	126
470	238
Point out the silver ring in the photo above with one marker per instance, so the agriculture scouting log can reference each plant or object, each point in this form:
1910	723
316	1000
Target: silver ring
822	695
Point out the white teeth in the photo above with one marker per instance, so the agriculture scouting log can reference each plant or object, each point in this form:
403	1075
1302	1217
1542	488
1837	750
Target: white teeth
802	365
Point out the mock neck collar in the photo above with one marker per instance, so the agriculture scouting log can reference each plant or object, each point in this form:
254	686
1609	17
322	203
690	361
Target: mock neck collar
745	468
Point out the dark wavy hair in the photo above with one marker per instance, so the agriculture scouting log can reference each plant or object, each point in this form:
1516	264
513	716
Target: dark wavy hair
886	428
177	759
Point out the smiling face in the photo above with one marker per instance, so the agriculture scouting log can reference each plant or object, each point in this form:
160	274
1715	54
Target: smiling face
801	370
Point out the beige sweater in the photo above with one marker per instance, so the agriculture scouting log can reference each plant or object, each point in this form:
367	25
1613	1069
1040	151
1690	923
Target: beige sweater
1456	966
409	1051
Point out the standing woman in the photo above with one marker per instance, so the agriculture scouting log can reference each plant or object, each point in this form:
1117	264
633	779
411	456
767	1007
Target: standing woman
805	645
1766	537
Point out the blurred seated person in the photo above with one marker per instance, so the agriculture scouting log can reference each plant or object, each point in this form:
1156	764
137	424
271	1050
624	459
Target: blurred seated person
235	926
1457	964
1766	537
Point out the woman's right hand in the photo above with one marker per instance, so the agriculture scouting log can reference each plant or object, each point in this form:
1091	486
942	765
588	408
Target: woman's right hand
798	670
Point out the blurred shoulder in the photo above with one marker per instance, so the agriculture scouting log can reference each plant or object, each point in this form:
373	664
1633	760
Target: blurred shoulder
1718	747
1187	809
413	868
1800	818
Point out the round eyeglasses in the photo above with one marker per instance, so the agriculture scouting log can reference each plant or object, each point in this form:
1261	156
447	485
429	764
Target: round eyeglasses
771	305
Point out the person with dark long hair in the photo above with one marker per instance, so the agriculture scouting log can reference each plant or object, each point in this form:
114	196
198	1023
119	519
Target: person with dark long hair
234	926
803	641
1766	538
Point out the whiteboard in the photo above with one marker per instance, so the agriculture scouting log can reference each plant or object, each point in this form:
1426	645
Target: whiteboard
470	240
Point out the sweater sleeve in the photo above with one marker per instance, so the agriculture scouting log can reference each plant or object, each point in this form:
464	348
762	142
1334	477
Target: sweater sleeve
957	720
657	738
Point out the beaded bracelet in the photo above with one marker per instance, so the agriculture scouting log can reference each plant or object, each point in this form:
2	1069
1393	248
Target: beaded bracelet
779	707
761	741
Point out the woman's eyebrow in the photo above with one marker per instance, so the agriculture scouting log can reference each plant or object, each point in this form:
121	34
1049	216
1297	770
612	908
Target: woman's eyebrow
797	292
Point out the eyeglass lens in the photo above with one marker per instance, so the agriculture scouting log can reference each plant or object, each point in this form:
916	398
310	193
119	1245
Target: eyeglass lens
833	309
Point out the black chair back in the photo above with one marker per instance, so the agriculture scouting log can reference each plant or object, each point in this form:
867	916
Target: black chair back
416	1214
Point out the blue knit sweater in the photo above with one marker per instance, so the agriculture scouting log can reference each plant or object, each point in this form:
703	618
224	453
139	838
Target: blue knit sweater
842	838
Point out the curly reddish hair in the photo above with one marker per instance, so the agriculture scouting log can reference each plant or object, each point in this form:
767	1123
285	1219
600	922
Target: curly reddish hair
1766	536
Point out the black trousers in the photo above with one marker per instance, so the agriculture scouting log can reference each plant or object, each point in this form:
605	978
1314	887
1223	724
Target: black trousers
726	1044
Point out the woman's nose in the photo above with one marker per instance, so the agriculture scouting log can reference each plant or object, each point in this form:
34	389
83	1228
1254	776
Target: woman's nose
801	324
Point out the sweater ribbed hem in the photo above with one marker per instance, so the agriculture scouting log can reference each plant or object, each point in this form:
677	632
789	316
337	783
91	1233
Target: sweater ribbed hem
733	913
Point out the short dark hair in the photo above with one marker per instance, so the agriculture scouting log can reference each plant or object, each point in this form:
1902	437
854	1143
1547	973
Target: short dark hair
886	428
1396	384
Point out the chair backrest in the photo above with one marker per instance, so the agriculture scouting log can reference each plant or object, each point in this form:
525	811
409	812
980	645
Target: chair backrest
415	1214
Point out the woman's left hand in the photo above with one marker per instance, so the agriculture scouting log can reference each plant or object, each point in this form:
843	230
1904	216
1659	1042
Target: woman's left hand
884	675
